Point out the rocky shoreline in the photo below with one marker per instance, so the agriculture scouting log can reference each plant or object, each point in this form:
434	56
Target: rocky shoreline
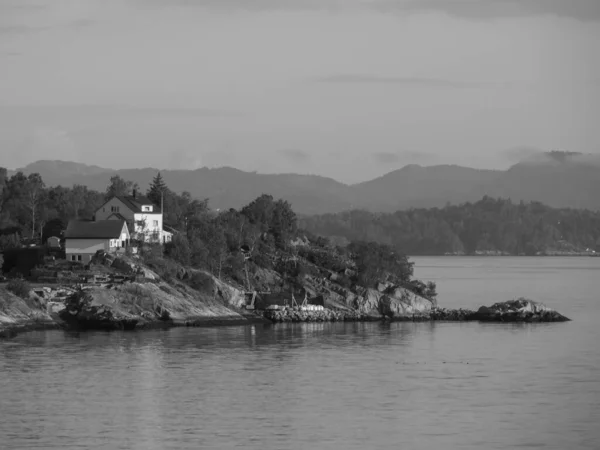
521	310
146	302
98	318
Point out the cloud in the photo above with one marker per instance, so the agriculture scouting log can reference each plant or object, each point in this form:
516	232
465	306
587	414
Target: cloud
471	9
386	157
406	81
584	10
295	155
44	141
20	29
402	156
516	154
114	111
256	5
534	156
184	160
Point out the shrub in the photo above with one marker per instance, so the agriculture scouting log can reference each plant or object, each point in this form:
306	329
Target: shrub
20	288
164	268
202	282
430	291
179	249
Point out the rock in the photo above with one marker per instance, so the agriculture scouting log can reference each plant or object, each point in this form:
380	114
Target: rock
182	273
124	265
80	313
103	258
147	274
520	310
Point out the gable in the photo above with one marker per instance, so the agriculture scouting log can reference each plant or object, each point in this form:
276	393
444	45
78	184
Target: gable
118	203
124	230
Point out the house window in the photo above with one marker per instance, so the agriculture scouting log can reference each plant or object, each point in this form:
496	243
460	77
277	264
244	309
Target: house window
114	209
78	257
155	223
146	208
72	257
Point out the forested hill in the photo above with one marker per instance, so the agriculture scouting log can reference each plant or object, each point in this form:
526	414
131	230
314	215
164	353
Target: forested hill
558	179
488	226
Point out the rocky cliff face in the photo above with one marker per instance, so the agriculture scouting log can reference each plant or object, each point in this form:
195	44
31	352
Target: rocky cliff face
17	314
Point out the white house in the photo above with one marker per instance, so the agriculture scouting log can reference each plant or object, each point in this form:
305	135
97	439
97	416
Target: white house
84	238
143	217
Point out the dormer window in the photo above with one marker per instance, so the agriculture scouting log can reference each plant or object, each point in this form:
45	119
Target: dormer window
146	208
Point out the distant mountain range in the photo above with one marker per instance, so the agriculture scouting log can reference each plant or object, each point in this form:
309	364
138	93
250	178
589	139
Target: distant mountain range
557	179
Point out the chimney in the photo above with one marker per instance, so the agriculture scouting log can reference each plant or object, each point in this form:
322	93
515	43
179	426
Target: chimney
134	193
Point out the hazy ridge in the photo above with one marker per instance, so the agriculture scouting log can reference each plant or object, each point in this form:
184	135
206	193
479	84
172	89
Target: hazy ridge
557	179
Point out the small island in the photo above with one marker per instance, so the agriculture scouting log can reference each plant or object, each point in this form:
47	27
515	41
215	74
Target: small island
234	267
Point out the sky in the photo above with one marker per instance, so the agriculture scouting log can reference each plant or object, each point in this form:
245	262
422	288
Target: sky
349	89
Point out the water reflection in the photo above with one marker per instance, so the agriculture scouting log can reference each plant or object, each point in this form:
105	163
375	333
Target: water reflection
317	385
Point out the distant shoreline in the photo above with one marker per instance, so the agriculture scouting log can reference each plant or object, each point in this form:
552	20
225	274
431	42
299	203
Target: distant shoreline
570	255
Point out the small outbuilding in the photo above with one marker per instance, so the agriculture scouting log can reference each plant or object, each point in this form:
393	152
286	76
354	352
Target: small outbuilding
53	242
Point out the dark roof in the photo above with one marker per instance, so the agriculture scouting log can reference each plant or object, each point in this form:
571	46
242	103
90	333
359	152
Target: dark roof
135	203
118	216
101	229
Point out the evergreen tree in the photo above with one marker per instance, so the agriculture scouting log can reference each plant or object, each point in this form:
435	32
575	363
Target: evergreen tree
157	189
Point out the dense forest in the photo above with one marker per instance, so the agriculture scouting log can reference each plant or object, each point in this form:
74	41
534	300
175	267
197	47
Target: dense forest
492	226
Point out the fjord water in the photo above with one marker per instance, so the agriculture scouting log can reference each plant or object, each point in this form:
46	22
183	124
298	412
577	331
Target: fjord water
327	386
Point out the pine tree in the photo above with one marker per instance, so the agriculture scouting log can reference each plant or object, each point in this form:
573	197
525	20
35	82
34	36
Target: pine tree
157	189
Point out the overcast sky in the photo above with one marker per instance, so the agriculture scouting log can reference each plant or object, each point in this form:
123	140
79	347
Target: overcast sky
344	88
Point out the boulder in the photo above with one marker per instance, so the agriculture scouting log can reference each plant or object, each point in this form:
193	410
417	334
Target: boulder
147	274
124	265
80	313
103	258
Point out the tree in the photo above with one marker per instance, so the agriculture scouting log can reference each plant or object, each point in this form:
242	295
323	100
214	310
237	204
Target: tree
34	191
179	249
157	190
53	227
119	187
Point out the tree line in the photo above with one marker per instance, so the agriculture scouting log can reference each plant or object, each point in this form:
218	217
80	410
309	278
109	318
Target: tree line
488	225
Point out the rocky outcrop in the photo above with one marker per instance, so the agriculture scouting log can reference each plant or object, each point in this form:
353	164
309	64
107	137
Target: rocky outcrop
82	313
520	310
18	315
454	315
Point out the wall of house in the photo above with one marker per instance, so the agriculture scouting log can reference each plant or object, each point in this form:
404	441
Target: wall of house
114	203
85	247
153	222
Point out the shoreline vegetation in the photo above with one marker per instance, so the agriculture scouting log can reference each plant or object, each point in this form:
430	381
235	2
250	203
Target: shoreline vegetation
255	265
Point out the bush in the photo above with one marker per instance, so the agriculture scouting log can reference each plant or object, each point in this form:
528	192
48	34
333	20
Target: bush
20	288
431	290
202	282
179	249
164	268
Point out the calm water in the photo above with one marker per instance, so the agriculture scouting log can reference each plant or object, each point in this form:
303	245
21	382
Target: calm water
327	386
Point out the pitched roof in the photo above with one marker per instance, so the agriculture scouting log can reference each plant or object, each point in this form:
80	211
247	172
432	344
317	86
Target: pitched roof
118	216
135	203
101	229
